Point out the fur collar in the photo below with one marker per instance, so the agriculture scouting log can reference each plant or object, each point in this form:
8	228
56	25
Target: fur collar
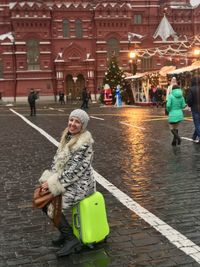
63	154
84	138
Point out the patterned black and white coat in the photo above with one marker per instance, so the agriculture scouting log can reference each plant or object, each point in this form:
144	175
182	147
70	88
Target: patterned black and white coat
71	172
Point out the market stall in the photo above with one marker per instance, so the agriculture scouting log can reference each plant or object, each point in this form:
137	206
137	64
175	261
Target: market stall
141	83
163	80
185	74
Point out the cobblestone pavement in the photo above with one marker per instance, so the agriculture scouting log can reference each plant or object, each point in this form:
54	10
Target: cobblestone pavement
133	152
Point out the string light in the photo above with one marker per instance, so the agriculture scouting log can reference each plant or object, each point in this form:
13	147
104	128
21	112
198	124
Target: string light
180	48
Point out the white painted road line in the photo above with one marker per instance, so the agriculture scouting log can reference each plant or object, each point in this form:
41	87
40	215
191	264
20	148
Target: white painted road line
190	139
176	238
128	124
49	137
97	118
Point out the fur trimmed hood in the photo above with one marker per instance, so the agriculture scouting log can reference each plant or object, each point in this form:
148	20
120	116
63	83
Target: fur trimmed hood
63	154
80	140
68	176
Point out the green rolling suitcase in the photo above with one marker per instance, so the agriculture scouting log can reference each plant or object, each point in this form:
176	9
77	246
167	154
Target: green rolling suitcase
89	220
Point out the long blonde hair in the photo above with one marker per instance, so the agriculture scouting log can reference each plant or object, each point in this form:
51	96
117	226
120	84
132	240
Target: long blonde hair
64	141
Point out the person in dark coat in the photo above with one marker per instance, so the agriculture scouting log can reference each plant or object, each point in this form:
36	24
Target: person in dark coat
155	96
31	100
85	98
61	98
193	101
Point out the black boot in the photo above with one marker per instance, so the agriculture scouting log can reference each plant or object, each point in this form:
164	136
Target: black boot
174	139
65	232
59	241
178	137
71	245
67	239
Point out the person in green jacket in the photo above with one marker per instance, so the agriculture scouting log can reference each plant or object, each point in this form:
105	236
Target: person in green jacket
175	105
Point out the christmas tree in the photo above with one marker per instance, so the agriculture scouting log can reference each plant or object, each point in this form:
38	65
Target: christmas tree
115	76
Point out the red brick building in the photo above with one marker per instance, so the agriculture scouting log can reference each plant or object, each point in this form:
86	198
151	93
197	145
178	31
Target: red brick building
54	46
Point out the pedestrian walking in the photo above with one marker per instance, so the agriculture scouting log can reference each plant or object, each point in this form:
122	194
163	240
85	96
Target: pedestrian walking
193	101
71	175
159	97
155	96
175	105
169	88
89	96
85	98
61	98
31	100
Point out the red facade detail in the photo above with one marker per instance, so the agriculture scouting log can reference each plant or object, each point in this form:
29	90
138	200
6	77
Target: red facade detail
75	54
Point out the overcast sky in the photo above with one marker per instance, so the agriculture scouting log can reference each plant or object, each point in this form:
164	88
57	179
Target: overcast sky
195	2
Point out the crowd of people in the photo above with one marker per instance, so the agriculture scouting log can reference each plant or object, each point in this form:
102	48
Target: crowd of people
85	97
172	99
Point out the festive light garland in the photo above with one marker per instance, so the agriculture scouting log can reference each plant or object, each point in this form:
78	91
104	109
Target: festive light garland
181	48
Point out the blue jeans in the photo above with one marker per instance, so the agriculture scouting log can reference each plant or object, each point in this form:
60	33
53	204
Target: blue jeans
196	120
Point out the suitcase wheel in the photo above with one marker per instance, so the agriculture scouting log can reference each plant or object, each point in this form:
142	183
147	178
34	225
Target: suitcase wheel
90	245
105	239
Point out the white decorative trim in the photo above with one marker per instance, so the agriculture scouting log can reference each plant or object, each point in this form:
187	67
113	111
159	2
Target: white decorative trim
30	18
126	42
7	44
101	52
45	52
7	53
20	43
45	42
20	53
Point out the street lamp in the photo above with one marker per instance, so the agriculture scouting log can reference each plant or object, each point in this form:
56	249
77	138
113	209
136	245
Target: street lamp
196	52
133	61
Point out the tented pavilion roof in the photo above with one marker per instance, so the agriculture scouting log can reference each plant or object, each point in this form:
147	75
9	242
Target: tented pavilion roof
164	30
194	66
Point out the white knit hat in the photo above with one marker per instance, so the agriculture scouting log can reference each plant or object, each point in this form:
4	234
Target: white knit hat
81	115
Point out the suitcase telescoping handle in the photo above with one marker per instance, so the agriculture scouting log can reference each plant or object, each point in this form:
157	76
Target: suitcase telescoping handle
76	221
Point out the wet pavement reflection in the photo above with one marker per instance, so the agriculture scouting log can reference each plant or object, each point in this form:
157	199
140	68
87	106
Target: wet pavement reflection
133	151
86	258
162	178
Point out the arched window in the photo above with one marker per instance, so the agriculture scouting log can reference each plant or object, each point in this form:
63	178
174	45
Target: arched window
33	54
78	29
1	69
112	47
65	28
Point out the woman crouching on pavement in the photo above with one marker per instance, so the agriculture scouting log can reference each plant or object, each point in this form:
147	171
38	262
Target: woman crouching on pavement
71	176
175	105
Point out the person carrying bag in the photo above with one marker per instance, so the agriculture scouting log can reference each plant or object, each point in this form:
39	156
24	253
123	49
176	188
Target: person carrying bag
71	177
42	198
